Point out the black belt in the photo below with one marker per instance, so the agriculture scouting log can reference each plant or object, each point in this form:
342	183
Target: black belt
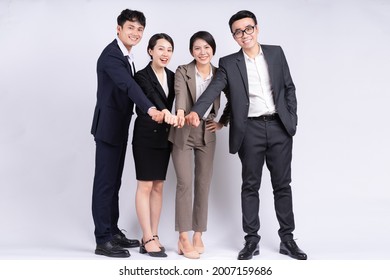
264	117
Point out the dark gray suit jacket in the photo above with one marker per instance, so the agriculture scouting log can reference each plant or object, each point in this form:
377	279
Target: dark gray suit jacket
233	75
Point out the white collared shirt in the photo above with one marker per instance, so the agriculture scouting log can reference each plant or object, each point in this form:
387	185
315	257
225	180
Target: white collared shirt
201	85
164	82
129	55
261	100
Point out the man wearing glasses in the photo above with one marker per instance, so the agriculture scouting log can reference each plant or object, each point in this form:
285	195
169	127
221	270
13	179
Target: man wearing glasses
263	120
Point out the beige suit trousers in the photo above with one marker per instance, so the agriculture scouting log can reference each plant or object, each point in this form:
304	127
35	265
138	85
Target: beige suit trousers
193	163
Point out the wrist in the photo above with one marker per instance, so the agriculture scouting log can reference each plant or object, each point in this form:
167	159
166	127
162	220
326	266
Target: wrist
151	110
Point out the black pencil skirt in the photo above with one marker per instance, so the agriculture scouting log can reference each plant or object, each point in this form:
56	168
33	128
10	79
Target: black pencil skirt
151	163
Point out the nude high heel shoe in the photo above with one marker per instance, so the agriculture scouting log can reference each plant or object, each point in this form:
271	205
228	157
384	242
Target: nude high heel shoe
190	255
199	249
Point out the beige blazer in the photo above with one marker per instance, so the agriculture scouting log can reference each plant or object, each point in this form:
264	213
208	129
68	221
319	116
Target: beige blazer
185	91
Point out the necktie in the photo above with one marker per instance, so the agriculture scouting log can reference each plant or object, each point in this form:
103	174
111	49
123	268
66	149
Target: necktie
132	66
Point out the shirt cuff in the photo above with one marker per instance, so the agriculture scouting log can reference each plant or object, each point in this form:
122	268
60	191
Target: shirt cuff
151	108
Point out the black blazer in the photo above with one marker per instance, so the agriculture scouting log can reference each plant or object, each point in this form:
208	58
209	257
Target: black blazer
148	133
117	92
232	73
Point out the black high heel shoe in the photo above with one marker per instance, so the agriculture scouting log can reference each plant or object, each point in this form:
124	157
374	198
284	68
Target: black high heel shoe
142	250
162	248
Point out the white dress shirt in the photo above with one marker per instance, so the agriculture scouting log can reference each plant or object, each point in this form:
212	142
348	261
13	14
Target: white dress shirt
261	100
128	54
164	82
201	85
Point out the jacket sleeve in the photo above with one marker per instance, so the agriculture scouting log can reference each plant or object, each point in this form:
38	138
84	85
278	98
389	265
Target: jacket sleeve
214	89
225	117
116	69
289	86
181	90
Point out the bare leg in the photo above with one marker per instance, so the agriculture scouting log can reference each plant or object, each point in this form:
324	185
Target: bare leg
142	203
156	198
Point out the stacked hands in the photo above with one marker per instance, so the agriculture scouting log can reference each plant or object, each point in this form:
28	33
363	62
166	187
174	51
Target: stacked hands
166	116
179	120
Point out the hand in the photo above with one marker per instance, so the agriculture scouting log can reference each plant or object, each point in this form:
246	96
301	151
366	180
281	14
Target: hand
156	115
169	118
192	119
213	126
180	118
175	121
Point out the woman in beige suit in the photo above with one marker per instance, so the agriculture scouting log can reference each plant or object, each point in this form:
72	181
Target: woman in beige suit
196	145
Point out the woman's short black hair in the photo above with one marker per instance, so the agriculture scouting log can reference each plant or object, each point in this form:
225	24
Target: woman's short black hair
205	36
153	41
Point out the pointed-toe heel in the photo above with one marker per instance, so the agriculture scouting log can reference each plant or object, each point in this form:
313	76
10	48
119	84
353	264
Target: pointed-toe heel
199	249
162	248
158	254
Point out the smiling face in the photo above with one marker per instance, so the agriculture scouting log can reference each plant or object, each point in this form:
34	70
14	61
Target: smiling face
161	53
130	33
247	42
202	52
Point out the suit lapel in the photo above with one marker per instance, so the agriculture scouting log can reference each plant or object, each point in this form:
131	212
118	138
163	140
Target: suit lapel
268	57
242	69
192	80
124	58
171	86
156	84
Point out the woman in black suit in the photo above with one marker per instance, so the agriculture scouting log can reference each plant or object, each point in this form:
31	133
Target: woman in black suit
151	148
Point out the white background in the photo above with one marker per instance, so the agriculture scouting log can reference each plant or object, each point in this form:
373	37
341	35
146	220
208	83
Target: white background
338	53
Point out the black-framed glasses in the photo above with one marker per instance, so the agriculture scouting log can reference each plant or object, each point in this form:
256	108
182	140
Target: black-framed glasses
240	33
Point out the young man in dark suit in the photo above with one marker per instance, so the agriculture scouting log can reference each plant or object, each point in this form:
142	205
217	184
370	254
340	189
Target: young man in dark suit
263	119
117	92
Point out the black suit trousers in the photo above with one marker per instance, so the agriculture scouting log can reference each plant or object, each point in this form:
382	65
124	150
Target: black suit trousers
266	141
109	164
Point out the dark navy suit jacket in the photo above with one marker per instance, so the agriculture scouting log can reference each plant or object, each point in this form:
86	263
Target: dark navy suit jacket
117	92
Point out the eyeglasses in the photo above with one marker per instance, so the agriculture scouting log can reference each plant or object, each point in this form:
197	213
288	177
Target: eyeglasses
240	33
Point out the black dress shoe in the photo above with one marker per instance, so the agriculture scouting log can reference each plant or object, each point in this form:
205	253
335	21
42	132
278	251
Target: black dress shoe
158	254
111	249
250	249
291	249
122	241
